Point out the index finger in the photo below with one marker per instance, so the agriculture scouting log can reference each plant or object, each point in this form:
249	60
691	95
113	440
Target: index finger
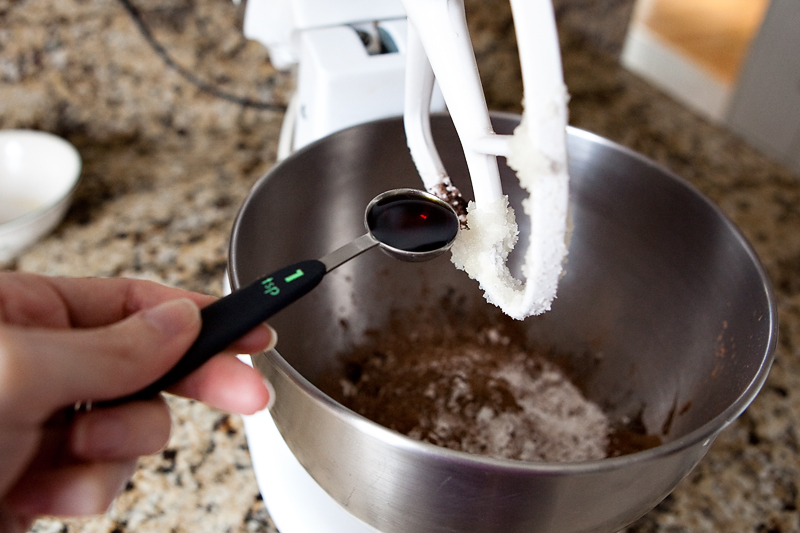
93	302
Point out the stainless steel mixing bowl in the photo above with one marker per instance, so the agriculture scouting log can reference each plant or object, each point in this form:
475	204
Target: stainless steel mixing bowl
663	301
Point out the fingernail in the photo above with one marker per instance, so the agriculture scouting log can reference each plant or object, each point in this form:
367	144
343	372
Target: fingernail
173	317
271	391
273	338
99	437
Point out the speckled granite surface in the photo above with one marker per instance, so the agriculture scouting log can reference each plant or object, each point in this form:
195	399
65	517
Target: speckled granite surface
167	165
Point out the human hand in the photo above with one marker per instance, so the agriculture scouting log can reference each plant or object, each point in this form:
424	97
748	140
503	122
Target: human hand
65	341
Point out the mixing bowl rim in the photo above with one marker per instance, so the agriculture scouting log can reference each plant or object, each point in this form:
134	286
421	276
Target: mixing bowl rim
705	433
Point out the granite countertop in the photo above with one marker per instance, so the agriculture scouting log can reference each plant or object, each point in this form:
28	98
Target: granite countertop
173	136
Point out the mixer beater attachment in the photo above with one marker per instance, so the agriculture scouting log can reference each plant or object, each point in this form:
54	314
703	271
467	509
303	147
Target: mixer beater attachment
439	49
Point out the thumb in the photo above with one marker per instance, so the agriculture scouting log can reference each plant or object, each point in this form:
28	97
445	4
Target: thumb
46	369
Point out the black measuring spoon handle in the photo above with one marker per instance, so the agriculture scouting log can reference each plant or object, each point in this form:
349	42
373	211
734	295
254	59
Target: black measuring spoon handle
233	316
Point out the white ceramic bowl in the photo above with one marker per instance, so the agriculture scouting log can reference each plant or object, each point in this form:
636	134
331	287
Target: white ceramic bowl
38	174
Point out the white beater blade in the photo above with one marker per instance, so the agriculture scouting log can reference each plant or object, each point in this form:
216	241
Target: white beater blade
441	27
536	151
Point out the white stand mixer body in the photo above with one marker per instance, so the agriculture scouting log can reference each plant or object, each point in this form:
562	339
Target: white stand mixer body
340	83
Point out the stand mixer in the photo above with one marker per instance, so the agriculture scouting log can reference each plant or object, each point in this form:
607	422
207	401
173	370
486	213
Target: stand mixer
361	60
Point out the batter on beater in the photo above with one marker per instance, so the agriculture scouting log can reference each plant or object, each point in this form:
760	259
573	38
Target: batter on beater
536	151
482	250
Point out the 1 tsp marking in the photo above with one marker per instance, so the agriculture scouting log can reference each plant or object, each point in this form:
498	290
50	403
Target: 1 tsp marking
291	277
269	287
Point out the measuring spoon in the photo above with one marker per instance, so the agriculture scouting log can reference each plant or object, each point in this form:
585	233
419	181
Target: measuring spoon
408	224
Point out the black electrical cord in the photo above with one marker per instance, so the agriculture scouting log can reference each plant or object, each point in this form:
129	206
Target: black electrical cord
194	80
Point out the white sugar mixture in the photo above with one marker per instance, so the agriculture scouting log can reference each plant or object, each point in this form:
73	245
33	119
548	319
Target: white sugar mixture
482	250
537	151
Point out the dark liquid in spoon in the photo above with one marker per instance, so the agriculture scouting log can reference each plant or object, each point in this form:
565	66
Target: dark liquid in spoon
412	224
